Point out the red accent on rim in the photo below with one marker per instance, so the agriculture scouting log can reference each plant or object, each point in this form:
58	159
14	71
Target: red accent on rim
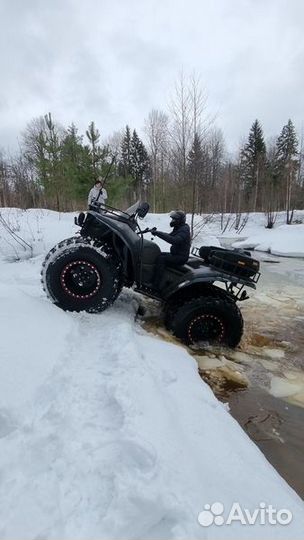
208	317
71	293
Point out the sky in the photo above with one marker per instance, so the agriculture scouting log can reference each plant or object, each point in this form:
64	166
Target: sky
112	61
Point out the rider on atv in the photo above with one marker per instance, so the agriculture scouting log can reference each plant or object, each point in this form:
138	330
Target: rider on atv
180	240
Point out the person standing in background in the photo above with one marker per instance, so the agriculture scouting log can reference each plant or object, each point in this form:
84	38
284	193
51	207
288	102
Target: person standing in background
97	193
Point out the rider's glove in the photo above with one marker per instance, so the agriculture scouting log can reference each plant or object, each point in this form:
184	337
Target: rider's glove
153	231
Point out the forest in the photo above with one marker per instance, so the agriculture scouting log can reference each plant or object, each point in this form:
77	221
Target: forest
180	161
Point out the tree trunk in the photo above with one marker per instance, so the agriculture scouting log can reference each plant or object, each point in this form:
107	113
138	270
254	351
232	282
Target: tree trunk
256	189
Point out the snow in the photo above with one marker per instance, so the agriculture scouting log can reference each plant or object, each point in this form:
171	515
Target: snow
40	229
286	241
290	385
108	432
282	387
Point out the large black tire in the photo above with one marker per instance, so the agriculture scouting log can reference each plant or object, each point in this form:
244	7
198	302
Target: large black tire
186	295
80	274
208	319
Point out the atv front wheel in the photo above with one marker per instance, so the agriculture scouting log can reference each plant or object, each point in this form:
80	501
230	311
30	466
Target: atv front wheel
80	274
208	320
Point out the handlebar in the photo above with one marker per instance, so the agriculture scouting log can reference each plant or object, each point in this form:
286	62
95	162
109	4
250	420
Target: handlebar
147	230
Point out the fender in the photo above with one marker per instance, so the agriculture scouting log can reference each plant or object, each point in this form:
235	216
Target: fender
209	276
127	235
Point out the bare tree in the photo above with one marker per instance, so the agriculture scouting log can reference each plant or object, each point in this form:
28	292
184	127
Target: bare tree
4	187
190	122
200	122
156	128
113	143
181	133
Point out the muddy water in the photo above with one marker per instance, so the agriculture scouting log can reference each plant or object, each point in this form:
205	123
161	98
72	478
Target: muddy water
277	429
263	380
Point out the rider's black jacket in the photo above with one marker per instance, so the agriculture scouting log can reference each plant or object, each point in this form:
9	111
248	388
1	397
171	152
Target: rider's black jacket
179	239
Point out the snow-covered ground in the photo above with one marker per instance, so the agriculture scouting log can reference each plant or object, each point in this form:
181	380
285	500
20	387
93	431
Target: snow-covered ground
286	241
107	432
42	228
282	240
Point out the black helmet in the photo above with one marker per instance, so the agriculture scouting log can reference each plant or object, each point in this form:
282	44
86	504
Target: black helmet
177	218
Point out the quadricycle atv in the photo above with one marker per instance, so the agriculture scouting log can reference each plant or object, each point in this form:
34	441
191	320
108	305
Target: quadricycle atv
88	271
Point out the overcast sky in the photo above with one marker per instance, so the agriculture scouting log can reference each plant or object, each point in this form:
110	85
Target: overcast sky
112	61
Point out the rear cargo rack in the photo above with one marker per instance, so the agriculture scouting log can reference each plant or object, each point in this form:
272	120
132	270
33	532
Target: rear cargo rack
233	272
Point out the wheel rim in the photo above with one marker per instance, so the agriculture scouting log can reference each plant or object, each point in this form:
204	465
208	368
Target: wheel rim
80	279
206	327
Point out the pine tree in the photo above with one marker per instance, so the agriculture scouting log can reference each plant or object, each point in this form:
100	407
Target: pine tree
253	160
139	164
76	163
287	164
97	152
41	143
124	162
195	157
53	141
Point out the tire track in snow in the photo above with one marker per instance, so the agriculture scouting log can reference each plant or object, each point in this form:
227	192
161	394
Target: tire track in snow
79	460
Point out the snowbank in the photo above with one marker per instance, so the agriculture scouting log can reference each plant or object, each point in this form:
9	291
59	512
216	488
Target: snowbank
286	241
32	232
107	432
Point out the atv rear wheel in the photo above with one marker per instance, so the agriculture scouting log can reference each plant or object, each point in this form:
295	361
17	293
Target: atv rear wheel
208	319
186	295
81	275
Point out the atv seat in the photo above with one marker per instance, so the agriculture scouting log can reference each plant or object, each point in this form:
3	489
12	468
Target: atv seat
194	262
150	253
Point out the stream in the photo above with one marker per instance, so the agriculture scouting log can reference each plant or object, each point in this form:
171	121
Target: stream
263	379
